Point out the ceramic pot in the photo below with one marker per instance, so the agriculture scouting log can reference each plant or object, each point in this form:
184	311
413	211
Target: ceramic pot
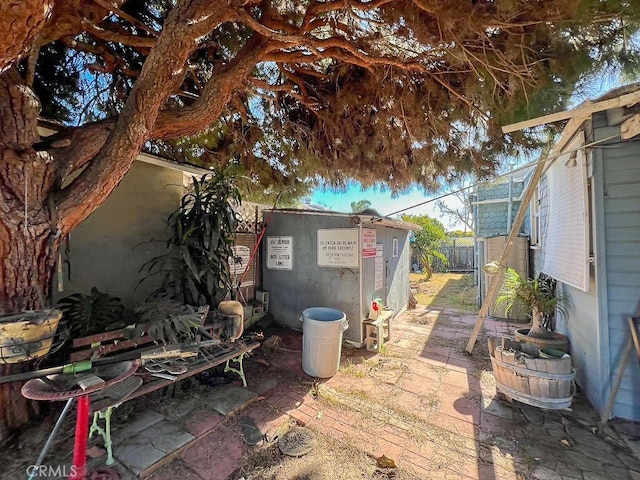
532	345
27	335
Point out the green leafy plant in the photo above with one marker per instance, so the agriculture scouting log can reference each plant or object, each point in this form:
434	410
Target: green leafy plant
196	266
427	240
93	313
537	296
168	321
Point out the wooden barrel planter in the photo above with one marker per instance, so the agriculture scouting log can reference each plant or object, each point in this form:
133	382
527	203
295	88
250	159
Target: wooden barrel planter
540	382
27	335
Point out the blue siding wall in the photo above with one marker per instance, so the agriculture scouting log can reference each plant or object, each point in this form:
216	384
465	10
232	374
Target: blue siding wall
581	325
621	172
581	321
492	217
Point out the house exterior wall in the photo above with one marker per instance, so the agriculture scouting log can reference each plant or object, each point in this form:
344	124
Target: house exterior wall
596	321
491	218
621	231
309	285
108	249
581	322
537	255
580	325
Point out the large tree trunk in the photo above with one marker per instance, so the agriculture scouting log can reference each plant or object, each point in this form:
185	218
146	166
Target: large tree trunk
35	212
27	244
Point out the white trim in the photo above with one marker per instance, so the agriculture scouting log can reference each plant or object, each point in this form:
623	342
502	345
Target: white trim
582	113
497	200
161	162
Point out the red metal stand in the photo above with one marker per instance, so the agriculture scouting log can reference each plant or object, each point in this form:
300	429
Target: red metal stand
79	468
65	386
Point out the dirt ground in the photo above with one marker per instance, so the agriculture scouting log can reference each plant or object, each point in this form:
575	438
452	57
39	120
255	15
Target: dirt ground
445	290
330	460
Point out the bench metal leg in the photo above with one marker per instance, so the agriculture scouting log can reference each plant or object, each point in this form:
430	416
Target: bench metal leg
105	432
239	370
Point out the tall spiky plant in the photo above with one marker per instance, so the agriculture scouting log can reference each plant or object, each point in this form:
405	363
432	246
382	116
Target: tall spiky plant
537	296
196	265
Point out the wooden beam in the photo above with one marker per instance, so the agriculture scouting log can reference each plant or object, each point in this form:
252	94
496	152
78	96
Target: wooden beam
496	280
630	127
617	381
583	112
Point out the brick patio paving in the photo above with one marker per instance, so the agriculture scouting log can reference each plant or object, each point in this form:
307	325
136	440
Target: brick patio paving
422	402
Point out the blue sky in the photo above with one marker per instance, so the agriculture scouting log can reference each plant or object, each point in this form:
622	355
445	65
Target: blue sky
382	201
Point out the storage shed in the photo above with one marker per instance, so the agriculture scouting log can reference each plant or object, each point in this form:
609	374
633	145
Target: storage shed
335	260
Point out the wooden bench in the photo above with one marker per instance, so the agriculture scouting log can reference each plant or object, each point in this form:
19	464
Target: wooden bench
143	382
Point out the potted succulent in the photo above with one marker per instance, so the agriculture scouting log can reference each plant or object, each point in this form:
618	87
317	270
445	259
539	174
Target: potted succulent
540	298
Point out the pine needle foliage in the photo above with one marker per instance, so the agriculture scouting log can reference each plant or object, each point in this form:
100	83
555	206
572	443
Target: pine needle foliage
393	93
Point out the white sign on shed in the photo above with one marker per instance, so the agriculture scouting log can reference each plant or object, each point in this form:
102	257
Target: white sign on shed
280	253
368	242
338	247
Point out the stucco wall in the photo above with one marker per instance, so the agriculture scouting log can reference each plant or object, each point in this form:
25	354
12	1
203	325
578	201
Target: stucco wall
399	267
395	293
108	249
307	284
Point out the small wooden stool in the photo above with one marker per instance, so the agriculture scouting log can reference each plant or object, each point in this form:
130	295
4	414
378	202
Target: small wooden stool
378	331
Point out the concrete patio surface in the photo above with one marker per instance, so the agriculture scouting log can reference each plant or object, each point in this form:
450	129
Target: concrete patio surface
421	402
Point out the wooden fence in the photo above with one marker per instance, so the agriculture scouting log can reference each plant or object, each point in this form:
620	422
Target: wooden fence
459	253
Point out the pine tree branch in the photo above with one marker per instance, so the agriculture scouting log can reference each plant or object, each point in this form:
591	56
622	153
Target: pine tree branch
187	22
109	36
173	123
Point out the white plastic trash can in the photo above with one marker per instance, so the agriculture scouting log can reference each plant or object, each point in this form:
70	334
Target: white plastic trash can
322	329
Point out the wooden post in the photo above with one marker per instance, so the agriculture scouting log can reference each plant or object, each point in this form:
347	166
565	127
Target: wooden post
496	280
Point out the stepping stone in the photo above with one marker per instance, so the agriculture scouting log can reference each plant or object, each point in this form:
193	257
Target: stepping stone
136	425
229	398
151	446
181	408
263	384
